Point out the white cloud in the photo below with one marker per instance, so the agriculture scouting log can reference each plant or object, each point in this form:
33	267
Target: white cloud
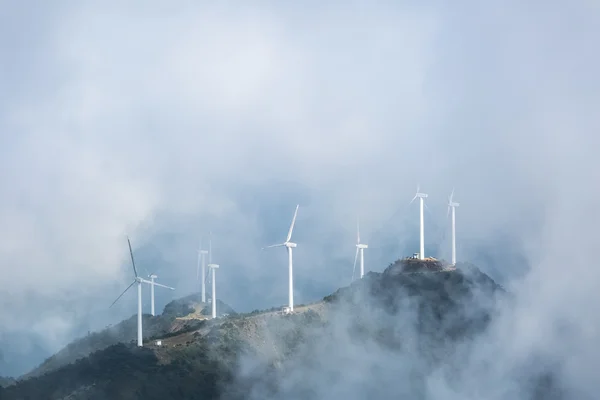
140	120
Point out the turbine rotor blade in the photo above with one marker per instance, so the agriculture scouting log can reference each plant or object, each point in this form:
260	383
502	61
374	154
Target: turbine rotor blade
448	212
413	199
199	258
357	231
289	236
210	247
354	267
131	254
121	295
198	266
427	208
273	245
165	286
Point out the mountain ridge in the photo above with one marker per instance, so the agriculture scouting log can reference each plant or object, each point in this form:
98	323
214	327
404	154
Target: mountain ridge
250	356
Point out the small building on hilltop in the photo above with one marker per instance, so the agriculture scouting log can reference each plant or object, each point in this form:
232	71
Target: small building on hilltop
414	264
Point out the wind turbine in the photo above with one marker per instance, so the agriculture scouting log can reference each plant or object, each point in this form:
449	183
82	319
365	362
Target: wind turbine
213	268
359	248
289	245
139	282
452	205
421	196
202	264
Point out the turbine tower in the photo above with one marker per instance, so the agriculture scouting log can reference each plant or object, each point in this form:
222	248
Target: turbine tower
289	245
359	248
213	268
421	196
202	265
452	205
139	282
152	278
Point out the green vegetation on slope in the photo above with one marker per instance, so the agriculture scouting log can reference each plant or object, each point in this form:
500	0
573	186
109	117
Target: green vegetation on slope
125	371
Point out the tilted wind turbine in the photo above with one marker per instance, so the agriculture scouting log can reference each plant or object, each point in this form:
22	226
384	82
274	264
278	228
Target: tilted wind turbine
421	196
289	245
452	205
139	282
359	248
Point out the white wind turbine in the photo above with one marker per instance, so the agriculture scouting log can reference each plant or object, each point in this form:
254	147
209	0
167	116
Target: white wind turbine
289	245
359	248
421	196
213	268
139	282
202	265
452	205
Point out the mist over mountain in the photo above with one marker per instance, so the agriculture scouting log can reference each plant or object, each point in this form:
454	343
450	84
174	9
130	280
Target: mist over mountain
168	122
390	334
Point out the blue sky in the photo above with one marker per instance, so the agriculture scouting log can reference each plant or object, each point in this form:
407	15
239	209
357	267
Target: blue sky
164	122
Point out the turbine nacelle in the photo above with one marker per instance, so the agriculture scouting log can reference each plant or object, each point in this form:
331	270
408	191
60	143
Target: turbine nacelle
214	266
290	244
453	204
362	246
153	276
203	251
419	195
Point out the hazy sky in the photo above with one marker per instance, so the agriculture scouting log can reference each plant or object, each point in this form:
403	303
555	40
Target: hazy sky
164	122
